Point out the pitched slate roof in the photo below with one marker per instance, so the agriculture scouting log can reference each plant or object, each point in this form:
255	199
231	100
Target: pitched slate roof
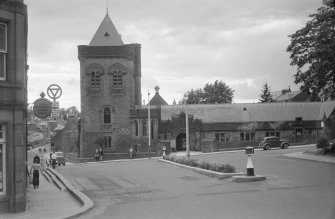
157	100
106	34
252	112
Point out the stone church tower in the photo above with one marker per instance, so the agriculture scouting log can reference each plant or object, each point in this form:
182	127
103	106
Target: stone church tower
110	82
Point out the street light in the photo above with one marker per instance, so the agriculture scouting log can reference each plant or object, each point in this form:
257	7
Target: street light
187	132
149	124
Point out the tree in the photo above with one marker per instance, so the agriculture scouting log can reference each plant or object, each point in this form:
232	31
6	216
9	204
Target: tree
265	95
218	92
276	125
312	50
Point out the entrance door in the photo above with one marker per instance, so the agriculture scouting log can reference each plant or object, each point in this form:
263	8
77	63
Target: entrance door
181	142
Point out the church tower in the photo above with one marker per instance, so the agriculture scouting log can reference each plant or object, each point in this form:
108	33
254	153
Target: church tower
110	82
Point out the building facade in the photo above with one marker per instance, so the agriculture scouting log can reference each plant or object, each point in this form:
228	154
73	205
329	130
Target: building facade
110	74
13	102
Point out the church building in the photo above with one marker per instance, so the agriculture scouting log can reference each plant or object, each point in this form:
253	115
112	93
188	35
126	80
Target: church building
110	75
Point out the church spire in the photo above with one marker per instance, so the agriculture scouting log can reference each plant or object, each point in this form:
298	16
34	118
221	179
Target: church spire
106	34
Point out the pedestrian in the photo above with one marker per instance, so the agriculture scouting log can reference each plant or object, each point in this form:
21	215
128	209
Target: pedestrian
35	168
53	160
101	154
131	152
96	155
37	159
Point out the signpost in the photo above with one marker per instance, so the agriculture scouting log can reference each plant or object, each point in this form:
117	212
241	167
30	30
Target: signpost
54	91
42	107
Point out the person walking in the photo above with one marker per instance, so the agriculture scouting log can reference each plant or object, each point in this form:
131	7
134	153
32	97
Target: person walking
131	152
53	160
35	168
96	155
101	154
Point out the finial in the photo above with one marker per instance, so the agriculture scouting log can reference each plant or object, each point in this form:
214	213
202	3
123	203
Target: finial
107	6
42	95
156	89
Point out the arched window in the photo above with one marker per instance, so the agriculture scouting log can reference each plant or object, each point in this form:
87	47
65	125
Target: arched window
136	128
94	74
95	79
144	127
107	115
117	79
117	71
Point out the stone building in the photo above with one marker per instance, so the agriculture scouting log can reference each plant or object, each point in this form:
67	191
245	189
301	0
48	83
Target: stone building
13	102
113	117
110	74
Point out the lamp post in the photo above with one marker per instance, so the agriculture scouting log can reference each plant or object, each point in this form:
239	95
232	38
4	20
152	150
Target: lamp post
187	131
149	125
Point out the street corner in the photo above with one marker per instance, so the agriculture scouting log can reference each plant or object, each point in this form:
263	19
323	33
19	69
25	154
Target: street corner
245	178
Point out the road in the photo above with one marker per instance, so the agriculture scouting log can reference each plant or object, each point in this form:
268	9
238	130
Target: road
150	189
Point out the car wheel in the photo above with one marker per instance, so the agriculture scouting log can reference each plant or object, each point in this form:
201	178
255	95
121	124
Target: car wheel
267	147
285	146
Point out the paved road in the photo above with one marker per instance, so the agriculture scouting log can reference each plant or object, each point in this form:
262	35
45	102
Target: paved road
151	189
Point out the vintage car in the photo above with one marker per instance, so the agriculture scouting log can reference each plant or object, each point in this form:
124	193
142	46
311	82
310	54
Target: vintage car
60	159
271	142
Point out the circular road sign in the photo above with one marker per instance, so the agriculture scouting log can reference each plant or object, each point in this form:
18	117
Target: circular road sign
54	91
42	108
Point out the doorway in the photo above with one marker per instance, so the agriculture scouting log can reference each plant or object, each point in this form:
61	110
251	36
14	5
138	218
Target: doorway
181	142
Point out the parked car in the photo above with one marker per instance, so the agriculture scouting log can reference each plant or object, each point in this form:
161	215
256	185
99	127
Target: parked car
271	142
60	159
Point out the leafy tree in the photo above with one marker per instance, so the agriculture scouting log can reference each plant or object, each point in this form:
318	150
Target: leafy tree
312	50
218	92
265	95
276	125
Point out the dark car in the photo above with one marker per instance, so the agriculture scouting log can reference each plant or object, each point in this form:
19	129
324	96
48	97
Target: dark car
272	142
60	158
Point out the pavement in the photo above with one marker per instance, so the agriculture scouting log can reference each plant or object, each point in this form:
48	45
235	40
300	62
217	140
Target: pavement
48	201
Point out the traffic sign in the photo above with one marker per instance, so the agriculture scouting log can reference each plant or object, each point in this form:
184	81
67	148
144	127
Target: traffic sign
54	91
42	108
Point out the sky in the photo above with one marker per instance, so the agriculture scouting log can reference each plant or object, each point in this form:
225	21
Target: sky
185	43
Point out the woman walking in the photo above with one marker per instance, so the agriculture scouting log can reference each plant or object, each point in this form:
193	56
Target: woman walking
35	168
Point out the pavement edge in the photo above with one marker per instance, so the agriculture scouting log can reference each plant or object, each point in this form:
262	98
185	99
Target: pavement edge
86	202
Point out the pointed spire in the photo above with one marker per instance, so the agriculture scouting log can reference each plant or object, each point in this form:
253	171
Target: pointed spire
106	34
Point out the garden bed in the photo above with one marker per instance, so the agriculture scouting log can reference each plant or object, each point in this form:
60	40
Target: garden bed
212	169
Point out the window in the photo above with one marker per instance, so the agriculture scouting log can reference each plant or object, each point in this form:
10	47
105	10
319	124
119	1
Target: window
222	137
144	127
107	142
249	136
2	160
268	134
117	71
136	128
152	130
107	115
95	79
3	50
117	79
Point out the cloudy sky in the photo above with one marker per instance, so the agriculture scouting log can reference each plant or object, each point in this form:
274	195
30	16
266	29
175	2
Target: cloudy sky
185	43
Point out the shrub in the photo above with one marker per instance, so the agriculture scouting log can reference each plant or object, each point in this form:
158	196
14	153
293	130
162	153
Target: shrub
204	165
229	169
322	142
213	166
